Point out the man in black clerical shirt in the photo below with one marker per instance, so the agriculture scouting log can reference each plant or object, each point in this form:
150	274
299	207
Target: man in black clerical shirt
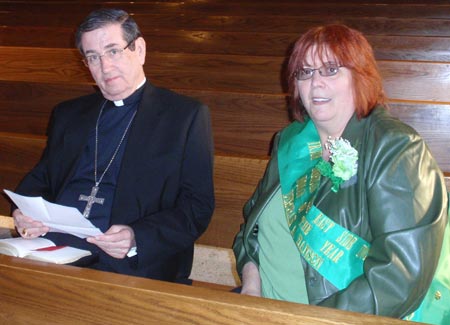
135	159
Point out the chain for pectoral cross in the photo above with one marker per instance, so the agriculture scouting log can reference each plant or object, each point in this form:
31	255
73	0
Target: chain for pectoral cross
91	199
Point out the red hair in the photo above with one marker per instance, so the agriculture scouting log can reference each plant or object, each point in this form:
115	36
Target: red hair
350	49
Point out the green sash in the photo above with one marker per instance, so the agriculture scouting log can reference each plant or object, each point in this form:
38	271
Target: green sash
333	251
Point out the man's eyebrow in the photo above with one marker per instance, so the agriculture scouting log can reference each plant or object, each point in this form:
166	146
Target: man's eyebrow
110	45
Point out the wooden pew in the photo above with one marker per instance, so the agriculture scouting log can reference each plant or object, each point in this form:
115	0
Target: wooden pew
39	293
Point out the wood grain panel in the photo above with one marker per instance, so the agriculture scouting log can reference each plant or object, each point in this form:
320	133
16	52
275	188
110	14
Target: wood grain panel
243	124
404	80
43	36
432	123
26	107
8	180
83	296
219	42
411	48
333	9
416	81
20	152
43	65
235	179
414	25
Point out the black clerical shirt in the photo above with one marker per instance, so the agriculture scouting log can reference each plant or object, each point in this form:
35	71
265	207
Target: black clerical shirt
112	125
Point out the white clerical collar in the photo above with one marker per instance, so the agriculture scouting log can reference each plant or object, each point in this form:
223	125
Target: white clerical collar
119	102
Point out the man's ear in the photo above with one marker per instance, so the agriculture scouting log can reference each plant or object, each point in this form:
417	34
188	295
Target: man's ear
140	49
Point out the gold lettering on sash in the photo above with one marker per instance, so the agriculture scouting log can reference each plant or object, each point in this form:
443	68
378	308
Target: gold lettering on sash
346	239
336	258
323	223
292	218
308	253
308	206
288	200
304	208
331	251
293	229
362	253
300	186
315	180
289	207
305	226
315	150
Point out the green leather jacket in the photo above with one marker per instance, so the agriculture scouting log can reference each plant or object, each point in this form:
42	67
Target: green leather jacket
398	204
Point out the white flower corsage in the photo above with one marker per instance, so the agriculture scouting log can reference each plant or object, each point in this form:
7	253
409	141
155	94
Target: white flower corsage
344	162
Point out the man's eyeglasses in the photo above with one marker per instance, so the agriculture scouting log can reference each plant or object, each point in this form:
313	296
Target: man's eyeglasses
113	54
327	70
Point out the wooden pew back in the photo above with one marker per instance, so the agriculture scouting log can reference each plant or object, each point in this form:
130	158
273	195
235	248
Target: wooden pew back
83	296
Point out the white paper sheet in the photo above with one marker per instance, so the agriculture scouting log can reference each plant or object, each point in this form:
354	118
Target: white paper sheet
59	218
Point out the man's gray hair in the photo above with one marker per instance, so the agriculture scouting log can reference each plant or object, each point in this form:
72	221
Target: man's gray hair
103	17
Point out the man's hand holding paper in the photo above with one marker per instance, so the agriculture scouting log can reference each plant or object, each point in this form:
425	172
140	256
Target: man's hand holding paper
38	216
27	226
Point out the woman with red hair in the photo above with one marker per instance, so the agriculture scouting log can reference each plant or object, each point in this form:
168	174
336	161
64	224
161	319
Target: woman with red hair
352	210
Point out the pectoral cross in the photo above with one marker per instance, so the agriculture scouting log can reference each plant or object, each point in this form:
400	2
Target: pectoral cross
91	199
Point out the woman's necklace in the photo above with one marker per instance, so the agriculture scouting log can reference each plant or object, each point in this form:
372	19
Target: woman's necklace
91	199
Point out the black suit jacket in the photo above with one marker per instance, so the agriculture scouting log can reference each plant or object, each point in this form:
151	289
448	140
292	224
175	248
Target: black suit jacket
165	186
